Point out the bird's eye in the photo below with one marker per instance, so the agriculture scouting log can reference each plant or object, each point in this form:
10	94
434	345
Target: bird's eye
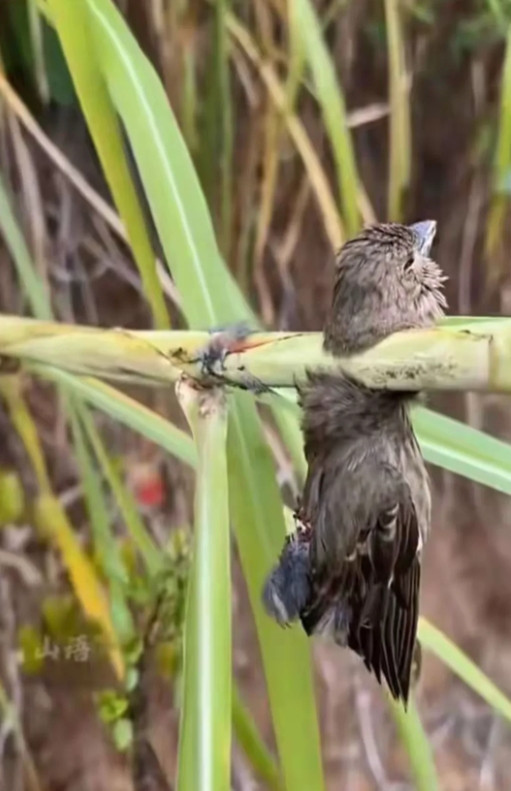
409	262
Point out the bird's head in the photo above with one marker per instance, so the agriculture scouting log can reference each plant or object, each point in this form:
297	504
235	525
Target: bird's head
385	281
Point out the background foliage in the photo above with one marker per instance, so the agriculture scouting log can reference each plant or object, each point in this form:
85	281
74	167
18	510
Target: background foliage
302	121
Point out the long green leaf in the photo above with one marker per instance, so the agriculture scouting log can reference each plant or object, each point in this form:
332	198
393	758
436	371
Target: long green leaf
74	30
452	656
415	741
173	191
205	735
98	514
464	450
126	410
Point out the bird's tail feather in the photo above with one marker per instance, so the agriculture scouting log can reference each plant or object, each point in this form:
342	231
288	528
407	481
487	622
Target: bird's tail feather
377	621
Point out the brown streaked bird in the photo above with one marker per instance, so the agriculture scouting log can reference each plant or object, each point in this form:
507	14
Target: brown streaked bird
352	568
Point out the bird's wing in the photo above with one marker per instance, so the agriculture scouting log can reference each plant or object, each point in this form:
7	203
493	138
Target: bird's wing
369	597
385	605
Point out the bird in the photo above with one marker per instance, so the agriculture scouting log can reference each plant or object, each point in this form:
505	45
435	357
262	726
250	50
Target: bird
351	569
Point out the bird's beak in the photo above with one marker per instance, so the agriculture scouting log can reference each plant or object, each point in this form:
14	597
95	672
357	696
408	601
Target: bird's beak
425	233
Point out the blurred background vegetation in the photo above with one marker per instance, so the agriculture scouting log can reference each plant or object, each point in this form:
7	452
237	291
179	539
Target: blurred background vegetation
303	120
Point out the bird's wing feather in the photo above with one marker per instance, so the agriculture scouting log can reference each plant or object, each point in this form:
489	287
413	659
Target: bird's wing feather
389	609
377	584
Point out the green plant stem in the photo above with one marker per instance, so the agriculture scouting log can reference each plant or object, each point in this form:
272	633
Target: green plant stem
445	358
205	733
399	119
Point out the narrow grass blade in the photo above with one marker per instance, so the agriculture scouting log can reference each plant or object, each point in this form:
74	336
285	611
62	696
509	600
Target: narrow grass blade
148	550
464	450
126	410
448	652
269	172
205	734
399	133
37	42
105	547
502	164
104	540
73	27
332	105
297	58
32	284
416	744
23	423
189	95
273	126
253	746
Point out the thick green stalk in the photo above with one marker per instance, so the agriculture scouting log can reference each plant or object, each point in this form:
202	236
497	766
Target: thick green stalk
205	733
474	357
